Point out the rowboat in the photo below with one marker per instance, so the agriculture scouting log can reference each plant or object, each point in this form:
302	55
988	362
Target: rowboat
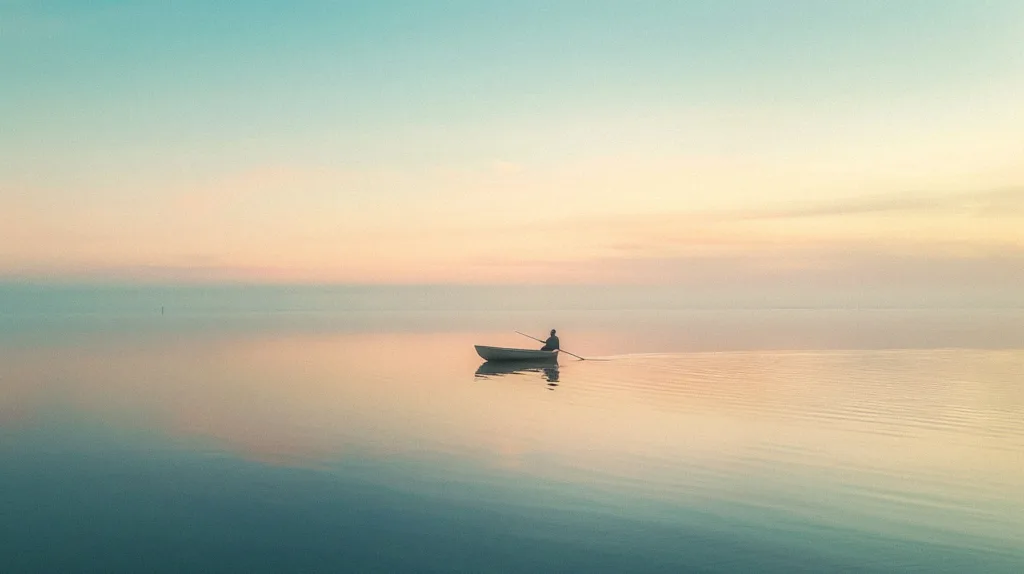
504	354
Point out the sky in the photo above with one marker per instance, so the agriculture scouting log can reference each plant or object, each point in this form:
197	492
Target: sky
699	143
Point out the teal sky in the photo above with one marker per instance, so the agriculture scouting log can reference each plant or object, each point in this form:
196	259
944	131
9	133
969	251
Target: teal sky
403	120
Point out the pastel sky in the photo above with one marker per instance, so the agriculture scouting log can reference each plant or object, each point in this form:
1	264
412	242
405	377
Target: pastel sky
513	142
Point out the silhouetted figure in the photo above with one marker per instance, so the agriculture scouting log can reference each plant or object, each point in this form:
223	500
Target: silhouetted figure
552	343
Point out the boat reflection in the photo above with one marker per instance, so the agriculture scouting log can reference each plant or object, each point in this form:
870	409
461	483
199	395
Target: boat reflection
546	369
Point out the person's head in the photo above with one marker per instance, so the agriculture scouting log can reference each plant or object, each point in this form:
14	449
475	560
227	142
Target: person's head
552	332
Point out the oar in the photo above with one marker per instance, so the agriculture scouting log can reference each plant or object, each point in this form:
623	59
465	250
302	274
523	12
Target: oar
560	350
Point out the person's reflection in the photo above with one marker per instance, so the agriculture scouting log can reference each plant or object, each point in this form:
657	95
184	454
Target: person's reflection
551	374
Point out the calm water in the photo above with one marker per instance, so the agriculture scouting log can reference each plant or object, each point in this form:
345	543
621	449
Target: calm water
312	435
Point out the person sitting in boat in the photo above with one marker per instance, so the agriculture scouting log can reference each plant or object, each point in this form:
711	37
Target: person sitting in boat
552	343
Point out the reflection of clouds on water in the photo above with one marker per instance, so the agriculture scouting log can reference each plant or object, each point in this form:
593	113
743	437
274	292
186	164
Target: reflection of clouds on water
545	369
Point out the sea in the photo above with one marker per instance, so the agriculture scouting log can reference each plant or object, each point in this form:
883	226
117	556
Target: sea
236	428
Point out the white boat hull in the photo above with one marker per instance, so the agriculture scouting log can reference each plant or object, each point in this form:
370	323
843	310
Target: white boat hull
504	354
